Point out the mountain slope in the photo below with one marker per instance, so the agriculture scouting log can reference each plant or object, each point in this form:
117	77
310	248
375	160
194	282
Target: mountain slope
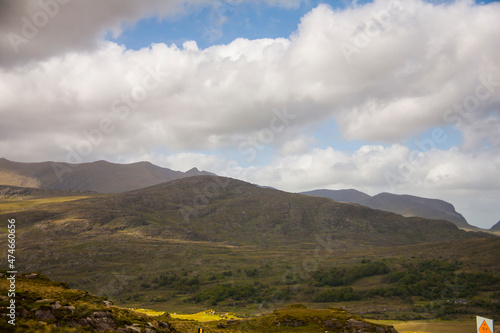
406	205
350	195
100	176
217	209
496	227
206	236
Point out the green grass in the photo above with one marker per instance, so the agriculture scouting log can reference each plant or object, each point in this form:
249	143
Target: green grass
434	326
69	307
38	293
12	205
204	316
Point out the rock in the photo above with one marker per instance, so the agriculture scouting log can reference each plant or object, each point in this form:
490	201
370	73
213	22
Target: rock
44	315
30	276
132	329
166	326
332	324
102	321
45	300
70	308
56	305
231	322
148	330
358	326
107	303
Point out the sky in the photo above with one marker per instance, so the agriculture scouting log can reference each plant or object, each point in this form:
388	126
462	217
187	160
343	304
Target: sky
399	96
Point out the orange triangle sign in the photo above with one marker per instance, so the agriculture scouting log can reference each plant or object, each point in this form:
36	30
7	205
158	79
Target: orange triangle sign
484	328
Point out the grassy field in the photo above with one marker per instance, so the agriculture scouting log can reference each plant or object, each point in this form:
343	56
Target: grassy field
433	326
14	205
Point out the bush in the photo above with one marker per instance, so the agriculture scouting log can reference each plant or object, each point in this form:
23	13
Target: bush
334	277
337	295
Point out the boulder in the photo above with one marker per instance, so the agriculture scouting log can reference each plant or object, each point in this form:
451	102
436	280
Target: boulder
44	315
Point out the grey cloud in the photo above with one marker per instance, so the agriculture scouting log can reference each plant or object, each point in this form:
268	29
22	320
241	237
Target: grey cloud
38	29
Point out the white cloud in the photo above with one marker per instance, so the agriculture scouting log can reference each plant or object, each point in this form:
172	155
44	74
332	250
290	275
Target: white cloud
400	83
33	29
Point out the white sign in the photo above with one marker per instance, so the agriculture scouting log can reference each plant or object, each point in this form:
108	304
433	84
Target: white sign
485	325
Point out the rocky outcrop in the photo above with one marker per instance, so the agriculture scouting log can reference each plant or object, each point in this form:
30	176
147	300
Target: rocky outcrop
44	305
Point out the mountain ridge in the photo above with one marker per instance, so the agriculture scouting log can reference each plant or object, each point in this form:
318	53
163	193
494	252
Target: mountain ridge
106	177
403	204
193	239
99	176
496	227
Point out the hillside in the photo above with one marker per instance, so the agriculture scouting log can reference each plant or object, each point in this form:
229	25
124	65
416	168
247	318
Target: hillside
213	241
100	176
15	192
217	209
406	205
350	195
46	306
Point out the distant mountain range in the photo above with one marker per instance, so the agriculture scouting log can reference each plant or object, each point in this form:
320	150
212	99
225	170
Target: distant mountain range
100	176
406	205
183	238
106	177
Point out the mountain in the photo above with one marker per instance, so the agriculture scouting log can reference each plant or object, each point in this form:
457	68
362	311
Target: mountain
214	241
406	205
100	176
496	227
218	209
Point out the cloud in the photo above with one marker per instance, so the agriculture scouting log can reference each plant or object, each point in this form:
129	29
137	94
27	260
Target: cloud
38	29
33	30
208	97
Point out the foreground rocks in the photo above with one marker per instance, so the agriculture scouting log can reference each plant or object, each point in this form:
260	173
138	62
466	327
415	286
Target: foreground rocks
44	305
